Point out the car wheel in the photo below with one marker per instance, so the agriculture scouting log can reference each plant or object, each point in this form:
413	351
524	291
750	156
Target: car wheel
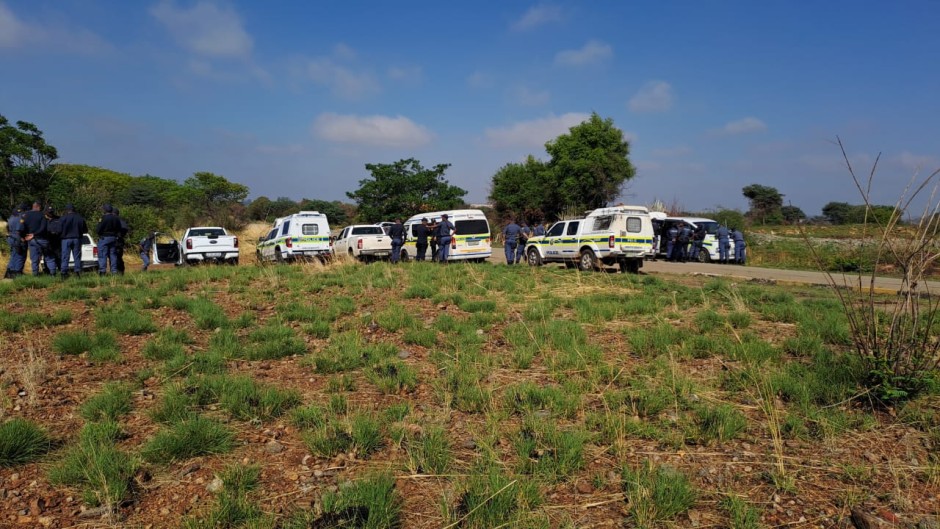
278	256
703	256
630	266
404	256
588	261
533	257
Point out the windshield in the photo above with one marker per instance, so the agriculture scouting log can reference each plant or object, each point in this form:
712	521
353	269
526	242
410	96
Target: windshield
207	232
368	230
472	227
711	228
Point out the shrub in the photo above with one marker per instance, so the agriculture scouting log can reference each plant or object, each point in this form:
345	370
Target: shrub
95	465
490	499
109	405
656	494
719	423
21	441
371	503
429	452
73	342
392	376
189	438
545	451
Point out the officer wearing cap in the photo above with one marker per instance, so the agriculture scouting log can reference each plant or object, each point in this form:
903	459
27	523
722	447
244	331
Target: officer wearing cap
121	241
421	232
73	228
37	235
54	235
108	230
445	234
397	233
524	234
724	243
511	240
17	244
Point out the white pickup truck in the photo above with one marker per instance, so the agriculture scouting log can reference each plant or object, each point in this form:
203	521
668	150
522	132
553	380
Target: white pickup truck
363	242
204	244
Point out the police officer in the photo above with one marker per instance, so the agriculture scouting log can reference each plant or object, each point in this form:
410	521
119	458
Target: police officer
37	227
740	254
54	235
524	234
17	244
421	232
121	241
145	245
671	248
432	228
108	230
539	230
397	233
445	233
72	227
724	243
698	240
511	240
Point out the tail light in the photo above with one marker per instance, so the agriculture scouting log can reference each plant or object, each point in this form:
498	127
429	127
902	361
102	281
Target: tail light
189	244
289	242
453	242
94	251
359	244
236	242
610	241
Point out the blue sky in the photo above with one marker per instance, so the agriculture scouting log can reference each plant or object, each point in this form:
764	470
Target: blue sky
294	98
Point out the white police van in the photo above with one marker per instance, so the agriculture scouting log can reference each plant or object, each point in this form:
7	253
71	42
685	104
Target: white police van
302	235
709	251
471	241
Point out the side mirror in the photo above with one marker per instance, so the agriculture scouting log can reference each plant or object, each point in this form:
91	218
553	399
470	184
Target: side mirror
262	239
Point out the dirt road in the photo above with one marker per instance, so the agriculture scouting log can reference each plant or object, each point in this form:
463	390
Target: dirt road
887	284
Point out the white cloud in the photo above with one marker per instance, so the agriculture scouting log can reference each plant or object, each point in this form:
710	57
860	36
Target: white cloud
205	29
592	52
746	125
534	133
480	80
378	131
16	33
405	73
918	162
671	152
528	97
537	16
342	80
654	96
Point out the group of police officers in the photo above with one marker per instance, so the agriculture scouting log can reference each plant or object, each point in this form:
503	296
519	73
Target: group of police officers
515	237
438	235
684	243
55	240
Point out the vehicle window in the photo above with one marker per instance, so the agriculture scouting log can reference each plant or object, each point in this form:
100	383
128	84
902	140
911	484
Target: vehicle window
271	235
368	230
472	227
557	229
573	228
634	224
310	229
603	223
711	228
207	232
342	234
285	228
86	239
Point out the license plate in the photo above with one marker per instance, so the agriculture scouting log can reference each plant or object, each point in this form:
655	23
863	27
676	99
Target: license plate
381	253
473	243
214	254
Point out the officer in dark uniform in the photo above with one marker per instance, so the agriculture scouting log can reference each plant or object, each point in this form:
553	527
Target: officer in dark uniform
740	254
671	248
539	229
108	230
698	241
73	228
724	244
17	244
685	236
432	227
397	233
121	241
54	235
421	232
145	245
445	233
37	235
524	234
511	235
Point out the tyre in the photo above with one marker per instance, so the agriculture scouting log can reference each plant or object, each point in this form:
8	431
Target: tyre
703	256
630	266
588	261
278	256
404	256
533	257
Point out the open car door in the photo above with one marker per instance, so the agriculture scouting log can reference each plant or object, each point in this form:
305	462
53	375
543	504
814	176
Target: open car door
166	249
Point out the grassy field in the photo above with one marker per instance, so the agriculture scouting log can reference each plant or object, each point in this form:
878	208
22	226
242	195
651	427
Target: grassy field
474	396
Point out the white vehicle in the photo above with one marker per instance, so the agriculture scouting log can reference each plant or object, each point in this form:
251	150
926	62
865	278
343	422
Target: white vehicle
302	235
166	249
621	235
208	243
89	253
471	241
363	242
709	251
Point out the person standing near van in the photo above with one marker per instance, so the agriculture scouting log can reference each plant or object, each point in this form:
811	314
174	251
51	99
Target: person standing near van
740	254
421	232
432	230
17	244
671	234
37	235
445	234
511	235
724	243
73	228
108	230
397	233
146	244
698	240
524	234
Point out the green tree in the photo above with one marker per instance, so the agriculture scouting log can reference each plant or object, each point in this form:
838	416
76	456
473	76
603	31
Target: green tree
766	203
792	214
404	188
337	212
589	164
522	189
214	198
838	212
25	162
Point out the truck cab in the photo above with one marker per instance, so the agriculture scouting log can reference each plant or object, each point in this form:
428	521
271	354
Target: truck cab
303	235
